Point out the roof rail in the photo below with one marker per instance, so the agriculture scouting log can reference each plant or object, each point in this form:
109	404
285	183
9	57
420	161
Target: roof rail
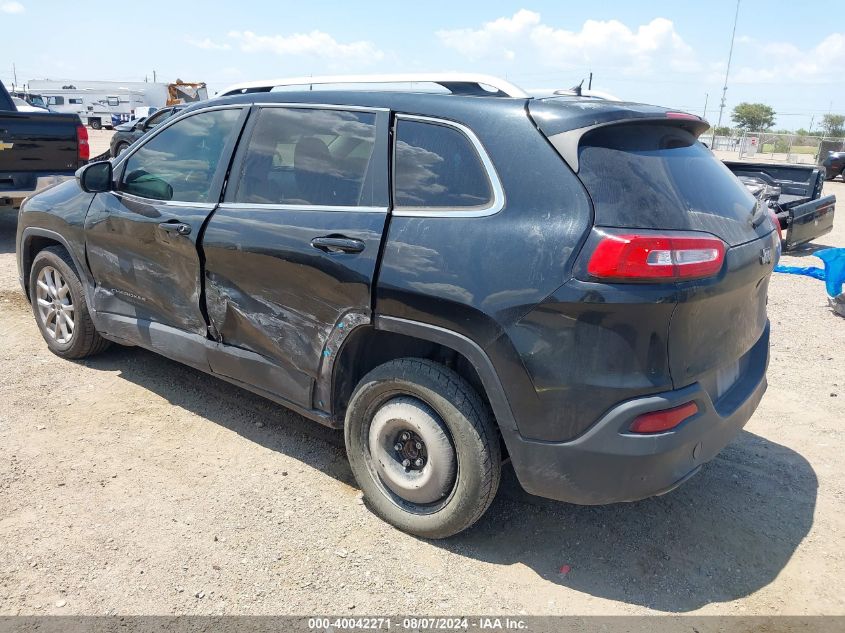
456	83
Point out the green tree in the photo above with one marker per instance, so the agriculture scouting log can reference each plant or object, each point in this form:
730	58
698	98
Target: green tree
833	124
753	116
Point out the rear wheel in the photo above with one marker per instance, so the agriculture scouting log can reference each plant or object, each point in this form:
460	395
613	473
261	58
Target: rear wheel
58	302
95	124
121	147
423	447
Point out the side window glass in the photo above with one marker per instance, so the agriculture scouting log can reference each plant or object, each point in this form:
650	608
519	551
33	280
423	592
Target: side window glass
113	101
157	118
180	162
436	166
307	156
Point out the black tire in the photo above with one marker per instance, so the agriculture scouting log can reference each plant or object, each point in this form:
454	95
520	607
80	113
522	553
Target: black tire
84	339
120	148
96	124
467	425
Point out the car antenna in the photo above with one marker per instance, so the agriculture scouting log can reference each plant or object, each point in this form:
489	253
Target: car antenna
577	89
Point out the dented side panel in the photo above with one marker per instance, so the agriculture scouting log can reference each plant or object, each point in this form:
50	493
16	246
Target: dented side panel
141	270
269	291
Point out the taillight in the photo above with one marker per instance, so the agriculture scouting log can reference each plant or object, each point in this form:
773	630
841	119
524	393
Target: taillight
682	115
661	421
84	150
776	222
649	257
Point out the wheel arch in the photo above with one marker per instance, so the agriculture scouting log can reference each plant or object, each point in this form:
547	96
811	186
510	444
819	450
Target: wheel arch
33	241
392	337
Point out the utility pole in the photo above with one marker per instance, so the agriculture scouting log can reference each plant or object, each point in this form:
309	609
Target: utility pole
727	72
154	76
706	98
14	77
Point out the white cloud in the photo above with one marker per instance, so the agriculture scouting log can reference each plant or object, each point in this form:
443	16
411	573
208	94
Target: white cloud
606	44
777	61
313	44
493	38
11	7
208	44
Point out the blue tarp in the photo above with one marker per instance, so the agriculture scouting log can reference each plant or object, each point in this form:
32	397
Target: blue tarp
808	271
833	273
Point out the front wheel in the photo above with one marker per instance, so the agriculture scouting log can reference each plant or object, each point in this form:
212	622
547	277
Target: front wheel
58	302
423	447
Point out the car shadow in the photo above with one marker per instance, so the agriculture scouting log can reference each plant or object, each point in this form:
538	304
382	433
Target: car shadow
806	249
725	534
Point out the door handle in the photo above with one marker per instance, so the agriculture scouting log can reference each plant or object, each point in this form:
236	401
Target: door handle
176	227
337	244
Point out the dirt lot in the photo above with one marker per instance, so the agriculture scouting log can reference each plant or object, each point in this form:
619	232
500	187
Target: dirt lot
130	484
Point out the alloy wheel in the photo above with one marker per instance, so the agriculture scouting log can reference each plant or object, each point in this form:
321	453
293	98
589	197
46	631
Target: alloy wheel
55	305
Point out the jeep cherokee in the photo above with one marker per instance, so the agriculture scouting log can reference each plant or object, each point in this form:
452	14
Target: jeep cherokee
455	279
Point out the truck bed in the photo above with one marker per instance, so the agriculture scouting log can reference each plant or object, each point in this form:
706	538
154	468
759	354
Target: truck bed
794	193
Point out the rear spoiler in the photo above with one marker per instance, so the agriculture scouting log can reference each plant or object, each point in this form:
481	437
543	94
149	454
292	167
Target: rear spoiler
565	126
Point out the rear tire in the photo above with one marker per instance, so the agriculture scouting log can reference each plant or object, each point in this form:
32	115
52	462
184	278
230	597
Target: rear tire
59	306
96	124
121	147
423	447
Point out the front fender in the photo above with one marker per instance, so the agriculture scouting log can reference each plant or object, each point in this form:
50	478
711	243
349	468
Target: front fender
54	215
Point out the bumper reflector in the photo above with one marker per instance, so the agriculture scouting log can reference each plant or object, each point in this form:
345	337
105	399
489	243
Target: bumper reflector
665	420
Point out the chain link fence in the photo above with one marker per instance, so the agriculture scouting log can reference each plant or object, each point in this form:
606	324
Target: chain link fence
776	148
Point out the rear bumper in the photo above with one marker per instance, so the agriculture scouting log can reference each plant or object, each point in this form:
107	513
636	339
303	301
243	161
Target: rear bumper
607	464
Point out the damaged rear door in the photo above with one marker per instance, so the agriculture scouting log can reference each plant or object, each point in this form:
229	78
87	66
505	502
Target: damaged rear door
142	237
291	254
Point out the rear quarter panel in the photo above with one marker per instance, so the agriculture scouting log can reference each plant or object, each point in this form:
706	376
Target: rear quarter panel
478	276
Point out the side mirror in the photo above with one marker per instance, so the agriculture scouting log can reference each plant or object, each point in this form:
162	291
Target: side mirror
95	177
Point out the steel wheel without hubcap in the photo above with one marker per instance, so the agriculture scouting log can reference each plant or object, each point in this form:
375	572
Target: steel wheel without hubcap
55	305
411	451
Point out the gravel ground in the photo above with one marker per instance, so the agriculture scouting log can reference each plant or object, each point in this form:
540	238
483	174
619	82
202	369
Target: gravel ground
130	484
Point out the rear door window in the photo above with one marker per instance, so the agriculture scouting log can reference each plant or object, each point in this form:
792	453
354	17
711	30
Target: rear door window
437	167
308	156
661	177
181	161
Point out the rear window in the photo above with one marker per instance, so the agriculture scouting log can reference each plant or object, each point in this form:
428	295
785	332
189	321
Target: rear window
657	176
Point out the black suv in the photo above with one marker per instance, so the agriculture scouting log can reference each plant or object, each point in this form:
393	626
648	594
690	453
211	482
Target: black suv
127	133
457	279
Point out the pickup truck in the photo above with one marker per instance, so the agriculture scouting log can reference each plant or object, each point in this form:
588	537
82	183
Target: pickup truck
794	194
37	149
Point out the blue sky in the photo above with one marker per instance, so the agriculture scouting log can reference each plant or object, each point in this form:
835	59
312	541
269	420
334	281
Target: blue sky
670	53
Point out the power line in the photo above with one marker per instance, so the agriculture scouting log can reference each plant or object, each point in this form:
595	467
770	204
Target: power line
727	73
